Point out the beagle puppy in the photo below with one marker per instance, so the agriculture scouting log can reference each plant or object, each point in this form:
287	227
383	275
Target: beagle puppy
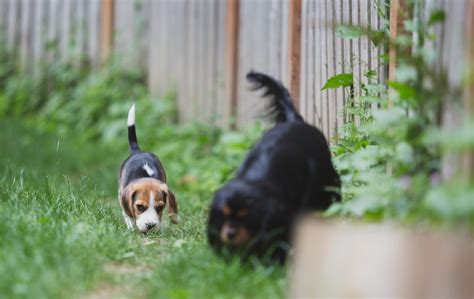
143	192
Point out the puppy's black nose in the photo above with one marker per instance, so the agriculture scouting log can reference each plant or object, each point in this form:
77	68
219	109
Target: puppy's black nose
150	225
231	233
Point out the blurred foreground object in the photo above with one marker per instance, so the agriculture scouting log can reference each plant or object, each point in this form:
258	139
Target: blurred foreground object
355	260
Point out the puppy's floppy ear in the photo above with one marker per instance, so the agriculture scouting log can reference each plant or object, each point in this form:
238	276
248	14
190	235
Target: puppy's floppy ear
126	200
172	207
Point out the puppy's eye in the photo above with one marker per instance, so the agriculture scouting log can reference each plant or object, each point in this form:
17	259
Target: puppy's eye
160	206
141	208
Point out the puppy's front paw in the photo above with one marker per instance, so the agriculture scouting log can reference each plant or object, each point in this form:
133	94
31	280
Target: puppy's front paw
174	218
128	221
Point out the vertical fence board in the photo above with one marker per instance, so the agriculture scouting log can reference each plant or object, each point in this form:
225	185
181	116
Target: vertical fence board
183	92
209	108
4	10
322	18
317	81
395	21
365	48
376	63
154	54
273	36
201	59
356	55
247	28
39	33
190	95
53	34
332	94
65	28
25	19
284	15
93	37
179	13
295	51
305	44
311	57
222	102
12	23
122	30
192	61
107	17
141	22
209	22
196	76
338	62
78	26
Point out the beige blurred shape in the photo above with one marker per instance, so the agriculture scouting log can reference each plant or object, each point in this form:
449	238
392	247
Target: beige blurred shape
348	260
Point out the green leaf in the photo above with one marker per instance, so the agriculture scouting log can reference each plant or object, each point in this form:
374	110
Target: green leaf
377	37
349	31
437	16
340	80
371	74
334	209
405	91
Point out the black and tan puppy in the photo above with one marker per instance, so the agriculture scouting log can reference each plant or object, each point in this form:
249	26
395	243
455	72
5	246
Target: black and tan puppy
287	173
143	192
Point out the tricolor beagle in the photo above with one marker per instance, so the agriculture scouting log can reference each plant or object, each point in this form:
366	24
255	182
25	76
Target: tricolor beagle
143	192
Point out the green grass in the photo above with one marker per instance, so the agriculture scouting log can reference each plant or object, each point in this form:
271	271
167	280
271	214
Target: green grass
62	235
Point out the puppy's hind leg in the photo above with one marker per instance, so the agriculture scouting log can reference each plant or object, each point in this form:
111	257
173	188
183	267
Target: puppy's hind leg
128	220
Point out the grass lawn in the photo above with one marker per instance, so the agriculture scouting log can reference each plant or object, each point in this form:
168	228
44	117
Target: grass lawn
62	234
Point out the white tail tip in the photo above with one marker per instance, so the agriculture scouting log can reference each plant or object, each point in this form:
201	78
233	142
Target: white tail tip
131	116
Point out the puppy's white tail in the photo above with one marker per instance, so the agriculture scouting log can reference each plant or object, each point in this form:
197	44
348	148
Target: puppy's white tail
131	116
132	134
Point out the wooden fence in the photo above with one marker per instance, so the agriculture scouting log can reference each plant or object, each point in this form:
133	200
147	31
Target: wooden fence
188	47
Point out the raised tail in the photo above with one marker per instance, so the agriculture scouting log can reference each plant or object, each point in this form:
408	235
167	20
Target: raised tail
281	107
132	134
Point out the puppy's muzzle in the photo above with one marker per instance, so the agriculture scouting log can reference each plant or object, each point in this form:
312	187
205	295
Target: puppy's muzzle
236	236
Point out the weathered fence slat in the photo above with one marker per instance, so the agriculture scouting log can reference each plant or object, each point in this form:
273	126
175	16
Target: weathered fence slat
232	50
107	28
295	50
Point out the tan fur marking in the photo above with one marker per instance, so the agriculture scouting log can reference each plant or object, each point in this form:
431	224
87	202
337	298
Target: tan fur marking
173	207
226	210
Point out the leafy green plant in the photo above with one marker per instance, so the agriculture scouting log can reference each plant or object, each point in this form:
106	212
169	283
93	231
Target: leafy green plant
399	136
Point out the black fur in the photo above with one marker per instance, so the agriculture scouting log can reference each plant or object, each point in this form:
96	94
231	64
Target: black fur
281	106
287	173
132	168
133	146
